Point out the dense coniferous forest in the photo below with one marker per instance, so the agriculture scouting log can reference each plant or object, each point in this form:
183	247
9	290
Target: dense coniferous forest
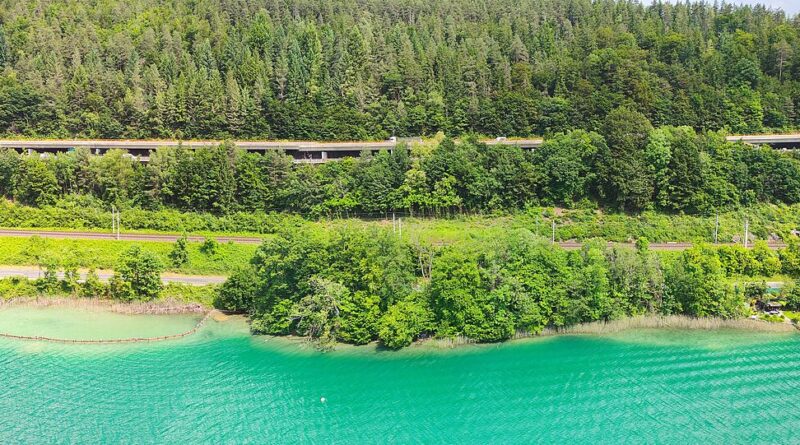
336	70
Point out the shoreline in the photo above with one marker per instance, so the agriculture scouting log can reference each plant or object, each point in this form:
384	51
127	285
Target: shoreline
603	328
597	328
169	306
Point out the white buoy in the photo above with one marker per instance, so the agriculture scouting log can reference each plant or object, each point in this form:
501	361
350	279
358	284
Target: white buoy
323	399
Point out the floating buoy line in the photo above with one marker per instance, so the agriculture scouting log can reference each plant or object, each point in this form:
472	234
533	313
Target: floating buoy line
112	341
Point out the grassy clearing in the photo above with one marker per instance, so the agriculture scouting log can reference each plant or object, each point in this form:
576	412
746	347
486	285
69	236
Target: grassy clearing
173	295
766	221
103	254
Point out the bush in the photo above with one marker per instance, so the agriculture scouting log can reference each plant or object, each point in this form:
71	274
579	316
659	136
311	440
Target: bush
209	247
402	323
238	291
93	287
137	276
180	253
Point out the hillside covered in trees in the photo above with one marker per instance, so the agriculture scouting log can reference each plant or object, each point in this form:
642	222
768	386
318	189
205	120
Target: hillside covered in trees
366	69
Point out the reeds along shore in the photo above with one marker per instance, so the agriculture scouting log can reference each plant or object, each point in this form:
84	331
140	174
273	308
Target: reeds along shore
665	322
643	322
160	307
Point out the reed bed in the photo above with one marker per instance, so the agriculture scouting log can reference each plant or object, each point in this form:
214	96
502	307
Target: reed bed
665	322
643	322
159	307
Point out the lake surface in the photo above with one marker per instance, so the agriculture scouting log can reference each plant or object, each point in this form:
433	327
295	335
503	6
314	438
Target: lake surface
223	386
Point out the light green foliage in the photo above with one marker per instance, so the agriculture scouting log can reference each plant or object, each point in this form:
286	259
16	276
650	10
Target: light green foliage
17	287
179	254
790	257
770	263
317	315
35	184
210	246
636	280
103	254
137	276
695	286
403	322
92	287
48	282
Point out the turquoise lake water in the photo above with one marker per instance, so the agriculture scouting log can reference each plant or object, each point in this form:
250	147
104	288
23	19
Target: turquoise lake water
223	386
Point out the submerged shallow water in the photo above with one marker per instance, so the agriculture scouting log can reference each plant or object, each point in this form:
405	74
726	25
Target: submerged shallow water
223	386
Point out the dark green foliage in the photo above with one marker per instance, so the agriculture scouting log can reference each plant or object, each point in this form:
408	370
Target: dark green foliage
565	167
352	70
238	292
622	167
669	169
137	276
35	184
356	286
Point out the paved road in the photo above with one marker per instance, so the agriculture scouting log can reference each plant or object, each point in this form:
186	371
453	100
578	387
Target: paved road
569	245
32	273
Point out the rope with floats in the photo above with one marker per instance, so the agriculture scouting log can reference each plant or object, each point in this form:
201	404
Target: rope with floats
111	341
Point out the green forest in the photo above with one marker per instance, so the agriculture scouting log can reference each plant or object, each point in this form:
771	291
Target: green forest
630	167
357	286
366	69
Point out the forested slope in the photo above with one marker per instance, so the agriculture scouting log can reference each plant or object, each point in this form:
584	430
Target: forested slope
342	69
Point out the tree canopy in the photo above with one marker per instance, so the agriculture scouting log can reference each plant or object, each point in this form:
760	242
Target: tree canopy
670	169
486	290
337	69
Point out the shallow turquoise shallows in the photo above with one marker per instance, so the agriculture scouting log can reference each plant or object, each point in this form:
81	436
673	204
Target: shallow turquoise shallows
223	386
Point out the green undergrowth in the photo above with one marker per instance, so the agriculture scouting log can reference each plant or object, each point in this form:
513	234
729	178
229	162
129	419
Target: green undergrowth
766	221
17	287
103	254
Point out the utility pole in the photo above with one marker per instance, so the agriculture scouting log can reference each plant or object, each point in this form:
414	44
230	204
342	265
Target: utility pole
394	223
553	239
746	230
115	222
716	230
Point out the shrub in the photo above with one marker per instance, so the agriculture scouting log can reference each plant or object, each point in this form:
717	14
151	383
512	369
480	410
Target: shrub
137	276
180	252
210	246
